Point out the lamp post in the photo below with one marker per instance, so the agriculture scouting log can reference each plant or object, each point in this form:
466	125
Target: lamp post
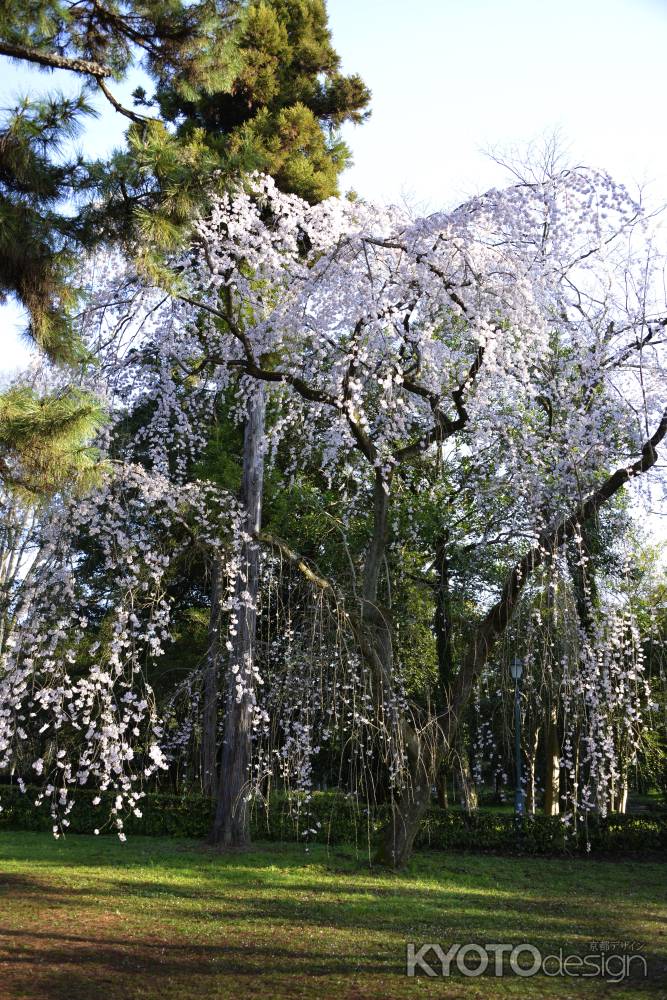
516	670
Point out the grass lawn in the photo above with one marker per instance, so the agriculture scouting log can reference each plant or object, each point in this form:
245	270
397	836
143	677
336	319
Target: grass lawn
169	920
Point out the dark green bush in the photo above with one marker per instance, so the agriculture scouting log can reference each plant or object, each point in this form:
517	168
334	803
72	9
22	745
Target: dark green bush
335	819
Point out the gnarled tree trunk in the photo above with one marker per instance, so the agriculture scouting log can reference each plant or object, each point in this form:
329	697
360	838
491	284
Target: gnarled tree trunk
375	636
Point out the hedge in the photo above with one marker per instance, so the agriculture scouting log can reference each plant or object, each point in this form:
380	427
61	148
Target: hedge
335	819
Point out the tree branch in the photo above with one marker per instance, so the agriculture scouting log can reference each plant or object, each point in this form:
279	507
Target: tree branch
134	116
443	427
497	619
54	61
281	546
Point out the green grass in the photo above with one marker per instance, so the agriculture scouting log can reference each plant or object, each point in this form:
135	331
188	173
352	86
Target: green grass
169	920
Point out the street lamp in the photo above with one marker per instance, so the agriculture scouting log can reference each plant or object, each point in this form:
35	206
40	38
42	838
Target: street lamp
516	670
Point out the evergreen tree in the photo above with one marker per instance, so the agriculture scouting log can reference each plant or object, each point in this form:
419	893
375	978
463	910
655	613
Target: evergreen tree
41	237
44	435
238	86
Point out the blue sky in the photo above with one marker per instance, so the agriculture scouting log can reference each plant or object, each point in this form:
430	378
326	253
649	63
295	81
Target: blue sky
452	78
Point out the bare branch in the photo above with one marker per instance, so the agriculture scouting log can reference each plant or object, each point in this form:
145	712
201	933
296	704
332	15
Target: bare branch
134	116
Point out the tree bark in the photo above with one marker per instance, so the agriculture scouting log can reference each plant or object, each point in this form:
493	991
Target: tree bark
469	798
443	615
375	636
231	825
399	835
582	570
442	787
55	61
531	760
210	708
552	768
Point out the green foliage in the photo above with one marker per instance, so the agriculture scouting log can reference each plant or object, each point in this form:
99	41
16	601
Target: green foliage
38	241
490	831
221	461
112	36
41	238
280	110
339	820
44	438
247	86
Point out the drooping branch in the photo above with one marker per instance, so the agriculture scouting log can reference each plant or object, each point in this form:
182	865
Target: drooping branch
358	626
298	561
497	619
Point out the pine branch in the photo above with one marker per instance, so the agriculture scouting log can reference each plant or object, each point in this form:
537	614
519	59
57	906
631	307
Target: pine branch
54	61
134	116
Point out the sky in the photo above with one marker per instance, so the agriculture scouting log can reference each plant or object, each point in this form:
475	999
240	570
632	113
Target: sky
455	79
452	79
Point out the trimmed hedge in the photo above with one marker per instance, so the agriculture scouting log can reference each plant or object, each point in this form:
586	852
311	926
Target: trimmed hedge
335	819
613	834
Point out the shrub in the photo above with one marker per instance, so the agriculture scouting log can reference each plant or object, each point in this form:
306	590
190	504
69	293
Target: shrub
335	819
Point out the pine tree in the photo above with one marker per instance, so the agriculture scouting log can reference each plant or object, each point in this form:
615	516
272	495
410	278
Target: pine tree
38	241
41	238
238	86
43	439
47	215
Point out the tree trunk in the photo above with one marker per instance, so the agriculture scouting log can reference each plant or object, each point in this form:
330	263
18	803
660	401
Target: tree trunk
552	767
443	616
441	787
469	799
531	761
231	825
210	708
498	796
375	636
581	564
497	618
406	816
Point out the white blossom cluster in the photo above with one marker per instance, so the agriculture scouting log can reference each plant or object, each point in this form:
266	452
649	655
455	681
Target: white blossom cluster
523	325
72	679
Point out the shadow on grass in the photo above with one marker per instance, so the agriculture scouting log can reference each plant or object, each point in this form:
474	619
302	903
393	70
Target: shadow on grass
56	966
88	921
300	934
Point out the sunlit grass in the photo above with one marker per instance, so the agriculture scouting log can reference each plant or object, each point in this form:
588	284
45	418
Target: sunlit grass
90	917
